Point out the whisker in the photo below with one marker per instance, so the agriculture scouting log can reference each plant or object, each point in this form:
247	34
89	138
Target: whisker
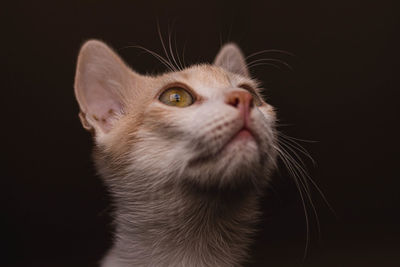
164	48
320	192
270	51
306	216
264	63
170	47
287	149
308	176
284	124
322	195
301	175
298	139
271	59
304	172
260	64
183	54
298	147
293	148
156	55
177	54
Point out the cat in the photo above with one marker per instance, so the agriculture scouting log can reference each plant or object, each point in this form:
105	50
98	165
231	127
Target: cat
186	156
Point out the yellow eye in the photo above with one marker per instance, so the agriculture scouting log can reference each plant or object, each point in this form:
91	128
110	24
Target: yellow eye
176	96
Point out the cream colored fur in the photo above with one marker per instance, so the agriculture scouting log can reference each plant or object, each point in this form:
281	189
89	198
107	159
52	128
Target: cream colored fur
184	193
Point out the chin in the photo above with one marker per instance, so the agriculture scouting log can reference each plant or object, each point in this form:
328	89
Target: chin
239	164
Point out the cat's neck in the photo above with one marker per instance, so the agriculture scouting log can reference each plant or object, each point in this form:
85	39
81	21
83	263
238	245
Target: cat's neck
183	226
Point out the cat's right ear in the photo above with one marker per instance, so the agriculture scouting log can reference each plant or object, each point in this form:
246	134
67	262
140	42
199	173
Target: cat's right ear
231	58
100	80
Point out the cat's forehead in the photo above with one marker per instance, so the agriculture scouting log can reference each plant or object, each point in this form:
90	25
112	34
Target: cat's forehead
207	77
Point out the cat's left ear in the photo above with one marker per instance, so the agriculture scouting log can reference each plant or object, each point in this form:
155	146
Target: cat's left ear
231	59
101	81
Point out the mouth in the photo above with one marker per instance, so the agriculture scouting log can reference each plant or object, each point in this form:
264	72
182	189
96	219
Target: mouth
245	134
242	134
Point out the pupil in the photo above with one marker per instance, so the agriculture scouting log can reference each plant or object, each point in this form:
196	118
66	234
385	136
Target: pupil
175	98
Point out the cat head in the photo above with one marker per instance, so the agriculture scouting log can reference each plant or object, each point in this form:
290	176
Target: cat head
206	125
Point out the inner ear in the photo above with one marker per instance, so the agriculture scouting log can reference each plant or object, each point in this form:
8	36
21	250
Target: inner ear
100	81
231	59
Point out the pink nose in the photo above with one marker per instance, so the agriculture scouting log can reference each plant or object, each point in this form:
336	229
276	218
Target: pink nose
241	100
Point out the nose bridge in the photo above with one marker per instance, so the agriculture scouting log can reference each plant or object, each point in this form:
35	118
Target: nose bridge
239	99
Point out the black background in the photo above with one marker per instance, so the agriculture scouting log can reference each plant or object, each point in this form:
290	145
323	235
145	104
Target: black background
342	92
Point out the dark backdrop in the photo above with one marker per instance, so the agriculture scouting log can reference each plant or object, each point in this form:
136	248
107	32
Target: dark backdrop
342	92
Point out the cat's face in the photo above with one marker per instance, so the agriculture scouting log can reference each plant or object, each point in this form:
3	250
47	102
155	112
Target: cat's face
206	124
